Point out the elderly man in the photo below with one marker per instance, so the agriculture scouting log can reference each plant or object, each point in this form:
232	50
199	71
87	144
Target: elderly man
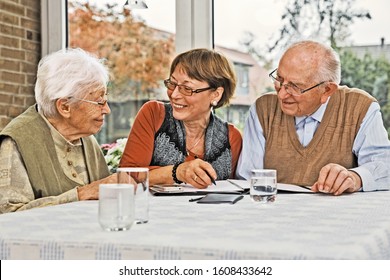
48	154
315	132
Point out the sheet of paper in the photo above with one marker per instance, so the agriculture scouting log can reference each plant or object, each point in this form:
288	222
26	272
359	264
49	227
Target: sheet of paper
294	188
245	184
221	186
225	186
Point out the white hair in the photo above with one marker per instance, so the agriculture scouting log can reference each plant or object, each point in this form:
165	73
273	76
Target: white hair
329	66
65	74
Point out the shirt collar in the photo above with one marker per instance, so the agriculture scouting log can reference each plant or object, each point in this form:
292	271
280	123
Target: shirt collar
317	115
58	138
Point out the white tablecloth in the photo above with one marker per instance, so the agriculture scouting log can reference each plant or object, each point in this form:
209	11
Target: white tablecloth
295	226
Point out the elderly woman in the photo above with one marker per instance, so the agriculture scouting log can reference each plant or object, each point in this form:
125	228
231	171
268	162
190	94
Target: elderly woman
183	141
48	154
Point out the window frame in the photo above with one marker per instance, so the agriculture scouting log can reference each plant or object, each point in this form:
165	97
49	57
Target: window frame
54	23
194	25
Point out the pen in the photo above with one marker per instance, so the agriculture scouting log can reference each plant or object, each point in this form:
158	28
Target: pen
211	178
195	199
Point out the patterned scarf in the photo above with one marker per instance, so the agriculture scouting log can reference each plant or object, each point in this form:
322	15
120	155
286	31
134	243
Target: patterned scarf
170	144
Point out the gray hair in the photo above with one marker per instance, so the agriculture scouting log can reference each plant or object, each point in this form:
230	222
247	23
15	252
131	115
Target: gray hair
65	74
329	67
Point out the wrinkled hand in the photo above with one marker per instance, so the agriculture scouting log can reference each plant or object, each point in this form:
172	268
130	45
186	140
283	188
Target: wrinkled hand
91	191
196	172
336	179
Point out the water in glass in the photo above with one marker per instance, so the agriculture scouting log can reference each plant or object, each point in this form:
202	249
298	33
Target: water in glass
263	186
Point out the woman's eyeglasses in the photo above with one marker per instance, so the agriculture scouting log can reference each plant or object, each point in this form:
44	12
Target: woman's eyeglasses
100	103
187	91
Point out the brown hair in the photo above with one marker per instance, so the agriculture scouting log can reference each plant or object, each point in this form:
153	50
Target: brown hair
211	67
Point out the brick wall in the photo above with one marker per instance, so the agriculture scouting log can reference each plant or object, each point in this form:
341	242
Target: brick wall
20	51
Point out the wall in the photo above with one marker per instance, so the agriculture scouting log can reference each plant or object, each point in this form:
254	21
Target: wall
20	51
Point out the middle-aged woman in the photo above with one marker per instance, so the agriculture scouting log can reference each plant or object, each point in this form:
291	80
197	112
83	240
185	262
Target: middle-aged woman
49	154
183	141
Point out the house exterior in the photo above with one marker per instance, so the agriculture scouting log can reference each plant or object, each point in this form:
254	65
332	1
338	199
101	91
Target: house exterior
252	81
20	52
376	51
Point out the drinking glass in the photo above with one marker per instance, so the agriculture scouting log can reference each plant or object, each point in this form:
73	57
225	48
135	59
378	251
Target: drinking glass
139	176
116	206
263	186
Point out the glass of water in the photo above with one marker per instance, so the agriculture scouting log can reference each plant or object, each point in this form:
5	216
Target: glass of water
139	176
263	185
116	206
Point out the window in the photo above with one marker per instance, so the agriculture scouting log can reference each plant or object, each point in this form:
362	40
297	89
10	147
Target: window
242	72
138	45
243	32
250	29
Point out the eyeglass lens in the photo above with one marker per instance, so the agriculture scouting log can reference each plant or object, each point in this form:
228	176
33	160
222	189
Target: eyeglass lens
290	88
182	89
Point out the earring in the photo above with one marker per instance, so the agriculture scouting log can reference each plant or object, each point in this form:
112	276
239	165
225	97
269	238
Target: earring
214	103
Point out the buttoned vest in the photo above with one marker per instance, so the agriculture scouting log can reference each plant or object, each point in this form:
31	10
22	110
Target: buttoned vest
36	147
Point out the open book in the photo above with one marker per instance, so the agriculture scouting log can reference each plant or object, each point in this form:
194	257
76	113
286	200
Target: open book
222	186
290	188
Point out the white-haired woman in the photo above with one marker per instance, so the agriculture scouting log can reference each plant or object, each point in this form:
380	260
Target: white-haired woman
48	153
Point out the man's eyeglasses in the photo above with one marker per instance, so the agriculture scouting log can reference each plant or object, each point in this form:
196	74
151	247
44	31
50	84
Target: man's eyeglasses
290	87
100	103
187	91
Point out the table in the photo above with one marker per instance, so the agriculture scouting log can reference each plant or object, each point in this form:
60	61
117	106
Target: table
295	226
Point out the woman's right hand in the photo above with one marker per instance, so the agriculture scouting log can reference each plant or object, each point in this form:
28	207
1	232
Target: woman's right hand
196	172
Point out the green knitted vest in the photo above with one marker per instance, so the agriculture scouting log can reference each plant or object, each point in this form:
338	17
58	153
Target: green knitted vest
36	146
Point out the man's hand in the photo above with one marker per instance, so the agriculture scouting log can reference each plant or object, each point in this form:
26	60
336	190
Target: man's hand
336	179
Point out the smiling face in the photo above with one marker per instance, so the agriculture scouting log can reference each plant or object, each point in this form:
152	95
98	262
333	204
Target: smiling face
195	107
299	66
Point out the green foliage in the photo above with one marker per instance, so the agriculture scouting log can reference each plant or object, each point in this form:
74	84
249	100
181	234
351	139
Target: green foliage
371	75
325	20
386	117
113	153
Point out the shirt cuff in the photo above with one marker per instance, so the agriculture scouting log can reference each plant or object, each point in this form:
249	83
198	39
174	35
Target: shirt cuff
368	183
69	196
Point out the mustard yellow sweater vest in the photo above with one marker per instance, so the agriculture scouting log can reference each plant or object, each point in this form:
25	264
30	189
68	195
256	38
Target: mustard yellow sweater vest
331	143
